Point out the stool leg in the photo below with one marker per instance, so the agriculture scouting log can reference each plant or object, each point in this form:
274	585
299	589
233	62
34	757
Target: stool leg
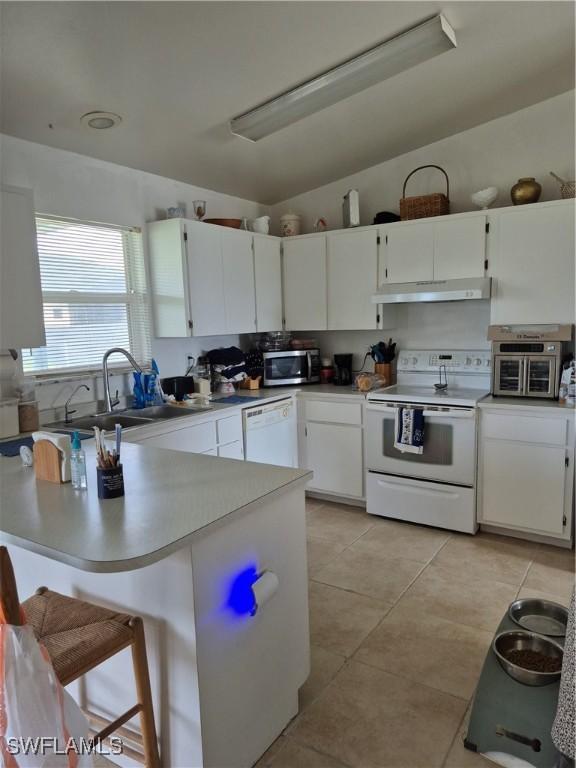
142	678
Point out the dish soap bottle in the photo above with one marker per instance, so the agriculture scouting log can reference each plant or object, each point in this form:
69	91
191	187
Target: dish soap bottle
78	464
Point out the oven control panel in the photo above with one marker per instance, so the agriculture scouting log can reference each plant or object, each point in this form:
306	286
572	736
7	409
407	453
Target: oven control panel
456	361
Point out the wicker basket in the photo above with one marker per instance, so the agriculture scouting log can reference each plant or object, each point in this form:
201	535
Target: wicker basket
422	206
567	188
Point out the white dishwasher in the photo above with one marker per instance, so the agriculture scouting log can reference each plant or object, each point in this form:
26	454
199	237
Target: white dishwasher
270	433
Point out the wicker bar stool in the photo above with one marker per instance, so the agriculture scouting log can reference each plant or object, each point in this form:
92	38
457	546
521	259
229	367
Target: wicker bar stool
79	636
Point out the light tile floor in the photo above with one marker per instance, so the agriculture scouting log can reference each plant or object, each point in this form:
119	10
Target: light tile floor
401	617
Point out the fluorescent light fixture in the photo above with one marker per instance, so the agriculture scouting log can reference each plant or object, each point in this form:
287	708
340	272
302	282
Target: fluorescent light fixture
385	60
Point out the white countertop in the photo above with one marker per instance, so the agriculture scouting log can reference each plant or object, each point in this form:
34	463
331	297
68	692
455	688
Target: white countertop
170	496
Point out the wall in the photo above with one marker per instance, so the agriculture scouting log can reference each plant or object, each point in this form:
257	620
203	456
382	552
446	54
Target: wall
530	142
68	184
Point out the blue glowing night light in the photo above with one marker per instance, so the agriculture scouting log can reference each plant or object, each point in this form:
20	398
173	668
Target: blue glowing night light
241	600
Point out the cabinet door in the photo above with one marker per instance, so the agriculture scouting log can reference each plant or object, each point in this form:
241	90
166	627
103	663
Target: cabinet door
168	270
21	308
460	248
231	451
334	454
268	280
238	267
305	283
410	252
206	279
352	259
523	485
533	265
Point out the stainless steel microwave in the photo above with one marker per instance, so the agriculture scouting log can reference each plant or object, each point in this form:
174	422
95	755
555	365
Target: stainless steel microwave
526	360
295	366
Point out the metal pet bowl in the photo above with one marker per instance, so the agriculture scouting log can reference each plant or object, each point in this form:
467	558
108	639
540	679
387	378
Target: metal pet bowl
541	616
519	640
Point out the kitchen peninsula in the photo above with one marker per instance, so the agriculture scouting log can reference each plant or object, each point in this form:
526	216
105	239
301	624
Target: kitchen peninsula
172	550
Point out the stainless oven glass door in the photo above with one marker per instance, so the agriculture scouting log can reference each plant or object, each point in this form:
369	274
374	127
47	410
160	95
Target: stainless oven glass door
291	367
540	376
509	375
449	444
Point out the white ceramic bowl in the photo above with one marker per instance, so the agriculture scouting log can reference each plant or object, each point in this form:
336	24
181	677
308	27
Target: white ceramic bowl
484	197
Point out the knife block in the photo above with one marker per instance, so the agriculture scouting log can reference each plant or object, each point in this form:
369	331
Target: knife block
47	462
387	371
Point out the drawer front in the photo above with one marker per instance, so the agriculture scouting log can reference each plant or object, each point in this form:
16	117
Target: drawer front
525	429
196	439
338	413
229	429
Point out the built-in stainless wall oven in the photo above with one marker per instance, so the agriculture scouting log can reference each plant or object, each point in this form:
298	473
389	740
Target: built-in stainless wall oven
295	366
526	361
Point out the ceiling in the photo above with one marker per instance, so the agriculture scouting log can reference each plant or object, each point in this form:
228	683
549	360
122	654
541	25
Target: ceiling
177	71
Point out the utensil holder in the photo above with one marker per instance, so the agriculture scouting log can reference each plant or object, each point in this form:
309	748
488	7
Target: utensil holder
387	370
110	482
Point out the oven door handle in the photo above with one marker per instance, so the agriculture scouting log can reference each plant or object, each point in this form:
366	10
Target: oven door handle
448	413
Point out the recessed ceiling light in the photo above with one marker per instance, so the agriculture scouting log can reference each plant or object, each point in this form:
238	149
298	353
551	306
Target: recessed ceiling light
100	120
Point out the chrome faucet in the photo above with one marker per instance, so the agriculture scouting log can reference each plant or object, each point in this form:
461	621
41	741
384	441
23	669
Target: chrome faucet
67	410
110	403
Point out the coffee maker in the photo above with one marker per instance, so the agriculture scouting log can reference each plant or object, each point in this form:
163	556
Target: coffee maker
343	370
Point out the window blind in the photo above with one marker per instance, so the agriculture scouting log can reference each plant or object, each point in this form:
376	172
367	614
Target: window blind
94	292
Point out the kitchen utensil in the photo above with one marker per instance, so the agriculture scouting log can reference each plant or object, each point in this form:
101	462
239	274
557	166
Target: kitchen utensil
484	197
567	188
541	616
232	223
526	190
199	207
441	385
178	386
520	640
422	206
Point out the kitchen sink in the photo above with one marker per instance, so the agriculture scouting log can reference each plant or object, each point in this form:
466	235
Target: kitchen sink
132	417
161	412
105	421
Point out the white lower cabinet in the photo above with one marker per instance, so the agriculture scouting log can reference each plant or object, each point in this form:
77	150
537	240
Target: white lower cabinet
332	446
526	471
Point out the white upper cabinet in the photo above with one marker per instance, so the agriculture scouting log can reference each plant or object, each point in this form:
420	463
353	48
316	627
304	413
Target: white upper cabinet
21	308
268	282
409	252
304	267
206	285
459	247
238	270
352	279
202	279
434	249
533	264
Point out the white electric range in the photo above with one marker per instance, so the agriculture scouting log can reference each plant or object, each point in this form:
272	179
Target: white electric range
438	486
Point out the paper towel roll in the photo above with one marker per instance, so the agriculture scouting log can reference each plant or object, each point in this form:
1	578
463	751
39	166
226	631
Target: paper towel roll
264	588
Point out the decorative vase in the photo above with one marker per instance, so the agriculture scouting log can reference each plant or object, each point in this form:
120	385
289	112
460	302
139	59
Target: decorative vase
290	224
526	190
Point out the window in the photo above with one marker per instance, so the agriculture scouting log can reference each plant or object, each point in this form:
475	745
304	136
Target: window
94	291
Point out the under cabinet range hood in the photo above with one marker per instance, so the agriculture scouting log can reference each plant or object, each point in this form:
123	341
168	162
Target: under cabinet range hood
462	289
